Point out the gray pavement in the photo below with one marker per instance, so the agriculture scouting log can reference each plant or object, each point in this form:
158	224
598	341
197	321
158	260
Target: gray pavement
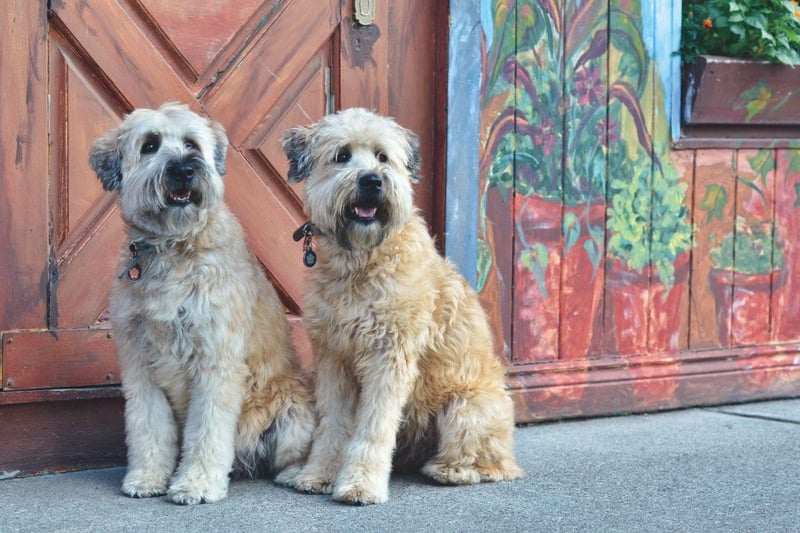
729	468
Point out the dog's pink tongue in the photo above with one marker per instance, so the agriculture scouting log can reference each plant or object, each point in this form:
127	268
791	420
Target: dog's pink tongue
366	212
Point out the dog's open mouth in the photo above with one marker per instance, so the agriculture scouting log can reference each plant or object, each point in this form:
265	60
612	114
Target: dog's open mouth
182	197
364	213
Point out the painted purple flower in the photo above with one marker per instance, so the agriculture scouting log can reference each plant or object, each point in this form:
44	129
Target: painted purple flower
610	128
588	87
544	135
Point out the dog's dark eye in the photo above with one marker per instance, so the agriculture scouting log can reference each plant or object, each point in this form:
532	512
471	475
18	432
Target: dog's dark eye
383	158
151	144
190	144
342	156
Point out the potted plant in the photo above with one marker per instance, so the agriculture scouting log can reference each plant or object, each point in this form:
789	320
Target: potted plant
748	267
649	239
748	263
738	59
542	157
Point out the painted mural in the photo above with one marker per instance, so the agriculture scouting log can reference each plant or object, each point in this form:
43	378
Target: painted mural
598	241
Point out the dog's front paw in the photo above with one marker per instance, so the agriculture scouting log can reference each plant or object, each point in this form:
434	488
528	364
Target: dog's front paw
360	491
138	484
313	484
191	489
451	474
288	476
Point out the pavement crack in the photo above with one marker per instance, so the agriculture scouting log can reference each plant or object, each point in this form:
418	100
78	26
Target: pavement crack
756	416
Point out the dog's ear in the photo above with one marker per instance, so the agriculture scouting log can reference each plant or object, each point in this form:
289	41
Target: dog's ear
220	146
105	158
414	164
297	146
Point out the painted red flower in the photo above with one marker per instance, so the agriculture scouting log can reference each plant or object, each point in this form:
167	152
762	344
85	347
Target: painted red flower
544	135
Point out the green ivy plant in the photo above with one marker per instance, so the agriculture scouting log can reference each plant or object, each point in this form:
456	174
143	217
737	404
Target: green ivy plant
751	249
647	217
751	29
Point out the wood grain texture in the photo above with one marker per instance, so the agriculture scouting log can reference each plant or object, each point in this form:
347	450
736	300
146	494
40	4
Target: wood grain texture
61	434
24	230
85	358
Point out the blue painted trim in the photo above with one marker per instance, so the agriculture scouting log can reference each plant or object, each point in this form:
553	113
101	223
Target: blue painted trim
463	138
675	82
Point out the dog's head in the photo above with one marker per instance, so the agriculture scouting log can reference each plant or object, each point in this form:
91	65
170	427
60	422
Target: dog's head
358	169
167	166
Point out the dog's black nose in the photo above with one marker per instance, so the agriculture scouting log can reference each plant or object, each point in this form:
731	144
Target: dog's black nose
370	181
181	171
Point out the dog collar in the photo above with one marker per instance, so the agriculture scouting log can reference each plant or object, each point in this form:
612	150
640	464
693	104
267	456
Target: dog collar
306	232
138	250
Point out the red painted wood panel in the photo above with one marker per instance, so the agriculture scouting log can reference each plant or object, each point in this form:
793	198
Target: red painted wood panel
55	359
785	303
24	229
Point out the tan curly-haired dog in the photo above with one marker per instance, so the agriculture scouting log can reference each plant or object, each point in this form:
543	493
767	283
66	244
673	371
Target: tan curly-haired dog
209	375
402	346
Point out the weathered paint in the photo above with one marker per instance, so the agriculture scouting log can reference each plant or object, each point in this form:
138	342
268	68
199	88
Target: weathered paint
463	94
667	216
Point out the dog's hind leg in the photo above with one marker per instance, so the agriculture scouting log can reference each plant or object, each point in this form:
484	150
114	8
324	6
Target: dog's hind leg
290	436
475	440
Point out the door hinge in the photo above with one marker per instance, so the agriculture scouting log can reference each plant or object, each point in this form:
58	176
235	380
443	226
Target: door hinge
364	11
330	98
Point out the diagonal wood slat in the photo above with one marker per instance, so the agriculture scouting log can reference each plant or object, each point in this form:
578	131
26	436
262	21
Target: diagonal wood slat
144	79
249	91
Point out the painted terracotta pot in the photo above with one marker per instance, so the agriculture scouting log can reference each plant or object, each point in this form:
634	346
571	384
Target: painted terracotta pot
741	301
555	307
646	316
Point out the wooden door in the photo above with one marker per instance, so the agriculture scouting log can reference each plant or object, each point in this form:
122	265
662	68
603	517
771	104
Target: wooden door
72	71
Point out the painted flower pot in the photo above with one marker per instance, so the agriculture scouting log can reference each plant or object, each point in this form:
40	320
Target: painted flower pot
735	91
555	307
646	316
741	301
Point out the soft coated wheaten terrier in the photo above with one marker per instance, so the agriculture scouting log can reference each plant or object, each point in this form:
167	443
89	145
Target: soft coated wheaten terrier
208	368
402	346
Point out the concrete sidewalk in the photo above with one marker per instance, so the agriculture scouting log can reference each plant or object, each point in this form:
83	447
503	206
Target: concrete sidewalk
731	468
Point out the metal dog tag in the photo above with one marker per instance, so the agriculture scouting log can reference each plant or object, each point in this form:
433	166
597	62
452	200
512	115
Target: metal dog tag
309	258
134	272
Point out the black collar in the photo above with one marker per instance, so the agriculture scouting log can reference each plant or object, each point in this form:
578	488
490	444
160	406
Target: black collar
139	249
306	232
307	228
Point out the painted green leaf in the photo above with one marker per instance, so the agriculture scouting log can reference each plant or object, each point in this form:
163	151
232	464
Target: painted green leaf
756	99
572	230
626	36
762	163
794	162
714	202
594	246
535	259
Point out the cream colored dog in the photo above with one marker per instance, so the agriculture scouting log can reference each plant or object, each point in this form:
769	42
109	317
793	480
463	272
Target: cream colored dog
208	367
402	346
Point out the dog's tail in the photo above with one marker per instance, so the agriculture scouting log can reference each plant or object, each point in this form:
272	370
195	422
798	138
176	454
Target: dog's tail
285	442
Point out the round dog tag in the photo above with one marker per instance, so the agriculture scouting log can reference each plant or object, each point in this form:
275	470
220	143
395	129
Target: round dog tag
134	273
309	258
